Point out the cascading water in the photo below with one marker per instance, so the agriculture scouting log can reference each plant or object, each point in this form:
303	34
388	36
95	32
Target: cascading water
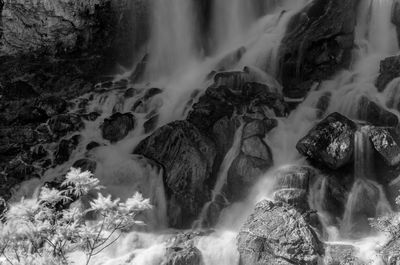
177	64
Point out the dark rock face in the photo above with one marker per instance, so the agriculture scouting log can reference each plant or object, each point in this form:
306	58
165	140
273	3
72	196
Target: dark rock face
391	252
188	159
292	186
385	142
52	105
118	126
318	43
65	26
337	254
371	112
65	149
330	142
182	251
62	124
389	70
278	234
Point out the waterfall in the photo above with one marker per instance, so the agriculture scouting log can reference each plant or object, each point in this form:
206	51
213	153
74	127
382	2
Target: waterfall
178	65
174	37
367	198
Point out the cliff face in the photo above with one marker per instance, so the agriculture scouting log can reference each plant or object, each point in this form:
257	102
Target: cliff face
66	26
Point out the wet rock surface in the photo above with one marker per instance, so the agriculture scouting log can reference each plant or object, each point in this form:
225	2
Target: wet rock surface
389	68
188	158
374	114
330	142
318	43
385	142
118	126
278	234
338	254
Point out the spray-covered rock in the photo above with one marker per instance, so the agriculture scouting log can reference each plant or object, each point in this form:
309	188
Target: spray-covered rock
371	112
188	158
385	142
277	234
330	142
318	42
389	70
117	126
341	254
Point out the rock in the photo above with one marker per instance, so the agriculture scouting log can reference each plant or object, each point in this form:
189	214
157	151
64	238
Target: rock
371	112
277	234
19	90
340	254
243	174
15	139
118	126
62	124
66	26
148	102
92	145
65	149
29	114
184	256
259	128
188	159
52	105
391	252
256	147
236	91
389	69
318	42
293	177
85	165
323	104
385	142
182	251
150	124
330	142
92	116
293	197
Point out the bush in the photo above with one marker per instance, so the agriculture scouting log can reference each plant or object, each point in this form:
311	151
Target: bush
34	232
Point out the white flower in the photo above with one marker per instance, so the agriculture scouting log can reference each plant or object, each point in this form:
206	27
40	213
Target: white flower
80	182
25	209
52	196
104	203
137	203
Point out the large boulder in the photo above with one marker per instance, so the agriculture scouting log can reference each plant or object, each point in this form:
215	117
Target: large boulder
330	142
277	234
62	124
188	158
182	250
385	142
318	43
118	126
391	252
389	70
371	112
341	254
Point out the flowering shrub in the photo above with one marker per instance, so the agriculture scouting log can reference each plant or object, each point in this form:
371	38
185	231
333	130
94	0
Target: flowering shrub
34	232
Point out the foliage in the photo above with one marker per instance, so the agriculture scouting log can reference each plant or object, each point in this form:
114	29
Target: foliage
37	232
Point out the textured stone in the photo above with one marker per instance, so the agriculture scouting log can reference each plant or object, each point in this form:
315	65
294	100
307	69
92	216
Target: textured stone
385	142
118	126
330	142
188	158
277	234
318	42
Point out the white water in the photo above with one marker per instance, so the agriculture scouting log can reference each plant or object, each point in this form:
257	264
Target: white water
177	65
